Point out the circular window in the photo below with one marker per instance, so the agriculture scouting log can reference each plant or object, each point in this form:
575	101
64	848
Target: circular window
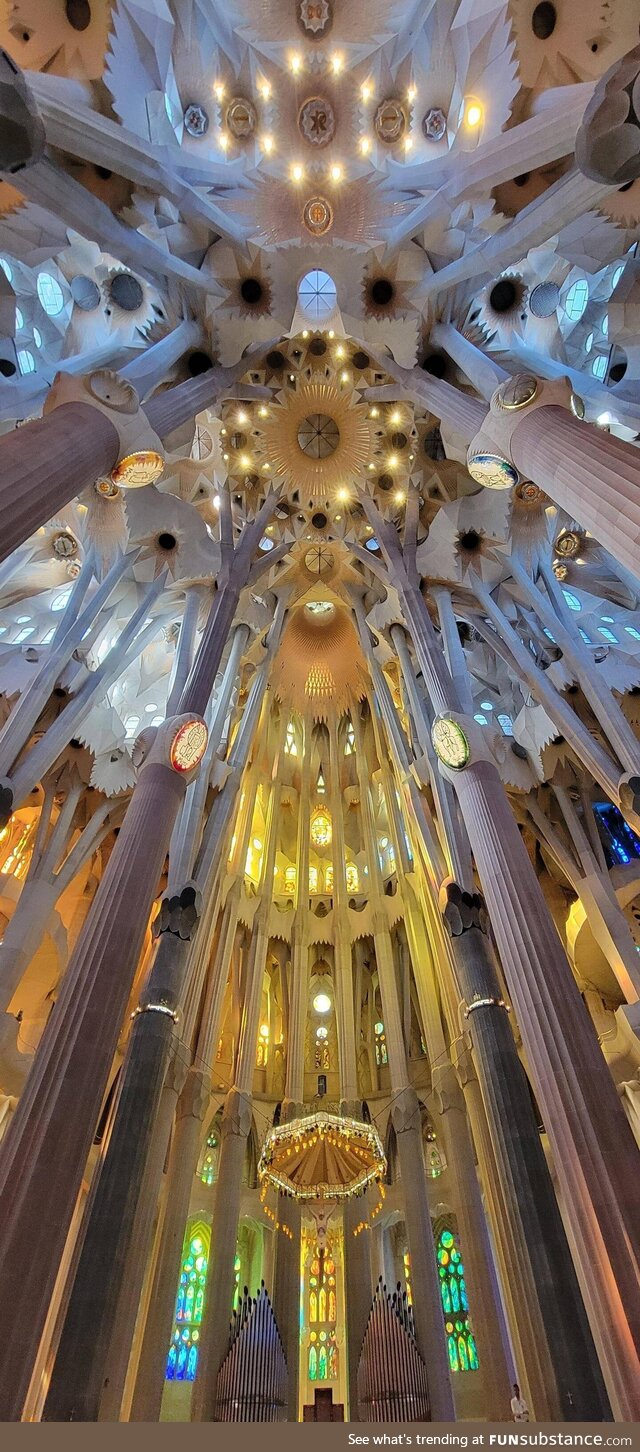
318	436
544	299
543	20
50	294
322	1003
317	293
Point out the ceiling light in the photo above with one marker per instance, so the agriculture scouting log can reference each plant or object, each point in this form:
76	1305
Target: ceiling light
267	145
263	411
366	90
223	141
399	497
322	1003
305	332
332	332
295	63
245	462
408	143
412	93
344	377
264	87
218	90
473	113
297	172
243	418
340	351
393	461
373	412
337	172
337	63
343	495
365	145
396	417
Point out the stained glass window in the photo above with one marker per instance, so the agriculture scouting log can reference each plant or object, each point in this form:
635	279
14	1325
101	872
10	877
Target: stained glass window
182	1360
328	877
322	1353
290	748
208	1171
618	838
350	741
313	879
381	1043
321	831
461	1345
290	879
262	1047
353	877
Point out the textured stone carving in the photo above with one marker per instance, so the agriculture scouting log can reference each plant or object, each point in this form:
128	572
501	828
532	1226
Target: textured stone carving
608	142
180	913
21	130
463	910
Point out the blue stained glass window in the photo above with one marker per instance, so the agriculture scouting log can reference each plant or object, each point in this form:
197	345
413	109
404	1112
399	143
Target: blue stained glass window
618	839
572	600
182	1358
599	366
631	630
576	300
608	634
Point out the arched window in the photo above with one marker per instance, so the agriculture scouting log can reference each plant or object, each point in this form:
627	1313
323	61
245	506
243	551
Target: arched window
350	741
353	877
322	1047
290	748
321	829
576	299
182	1360
290	876
209	1167
317	293
461	1345
313	879
381	1043
262	1048
328	877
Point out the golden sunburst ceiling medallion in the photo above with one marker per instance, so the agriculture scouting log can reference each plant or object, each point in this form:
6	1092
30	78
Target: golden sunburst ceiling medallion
319	438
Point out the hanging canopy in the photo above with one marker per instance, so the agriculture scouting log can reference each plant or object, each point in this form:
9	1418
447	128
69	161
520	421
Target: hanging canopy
322	1157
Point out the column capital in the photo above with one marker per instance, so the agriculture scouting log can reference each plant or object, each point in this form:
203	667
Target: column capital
116	398
237	1113
405	1111
462	910
196	1095
180	913
446	1088
177	1068
490	456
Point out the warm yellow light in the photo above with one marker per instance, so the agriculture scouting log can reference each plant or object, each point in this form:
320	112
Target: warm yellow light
295	63
267	145
373	413
243	418
399	496
343	495
393	461
412	93
223	141
305	332
297	172
337	172
264	87
322	1003
216	501
344	377
340	351
218	90
365	145
337	62
371	466
408	143
263	411
473	114
366	90
264	1030
396	417
245	462
332	332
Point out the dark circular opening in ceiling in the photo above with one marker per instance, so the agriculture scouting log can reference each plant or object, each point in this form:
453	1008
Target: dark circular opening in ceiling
78	13
167	541
521	181
503	295
469	540
275	359
435	364
318	347
103	172
360	360
318	436
385	481
126	292
617	372
543	20
399	440
7	369
382	291
198	362
319	520
251	290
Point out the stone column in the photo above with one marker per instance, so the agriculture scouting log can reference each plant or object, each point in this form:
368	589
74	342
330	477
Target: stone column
59	1108
47	463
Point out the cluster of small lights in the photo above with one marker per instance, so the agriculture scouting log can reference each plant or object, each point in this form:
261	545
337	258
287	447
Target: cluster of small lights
366	1224
301	1136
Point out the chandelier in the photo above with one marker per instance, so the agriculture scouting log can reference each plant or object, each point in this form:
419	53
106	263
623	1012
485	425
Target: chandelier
321	1157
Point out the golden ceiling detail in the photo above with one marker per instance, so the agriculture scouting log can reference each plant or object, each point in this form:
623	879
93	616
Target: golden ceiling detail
320	669
318	473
